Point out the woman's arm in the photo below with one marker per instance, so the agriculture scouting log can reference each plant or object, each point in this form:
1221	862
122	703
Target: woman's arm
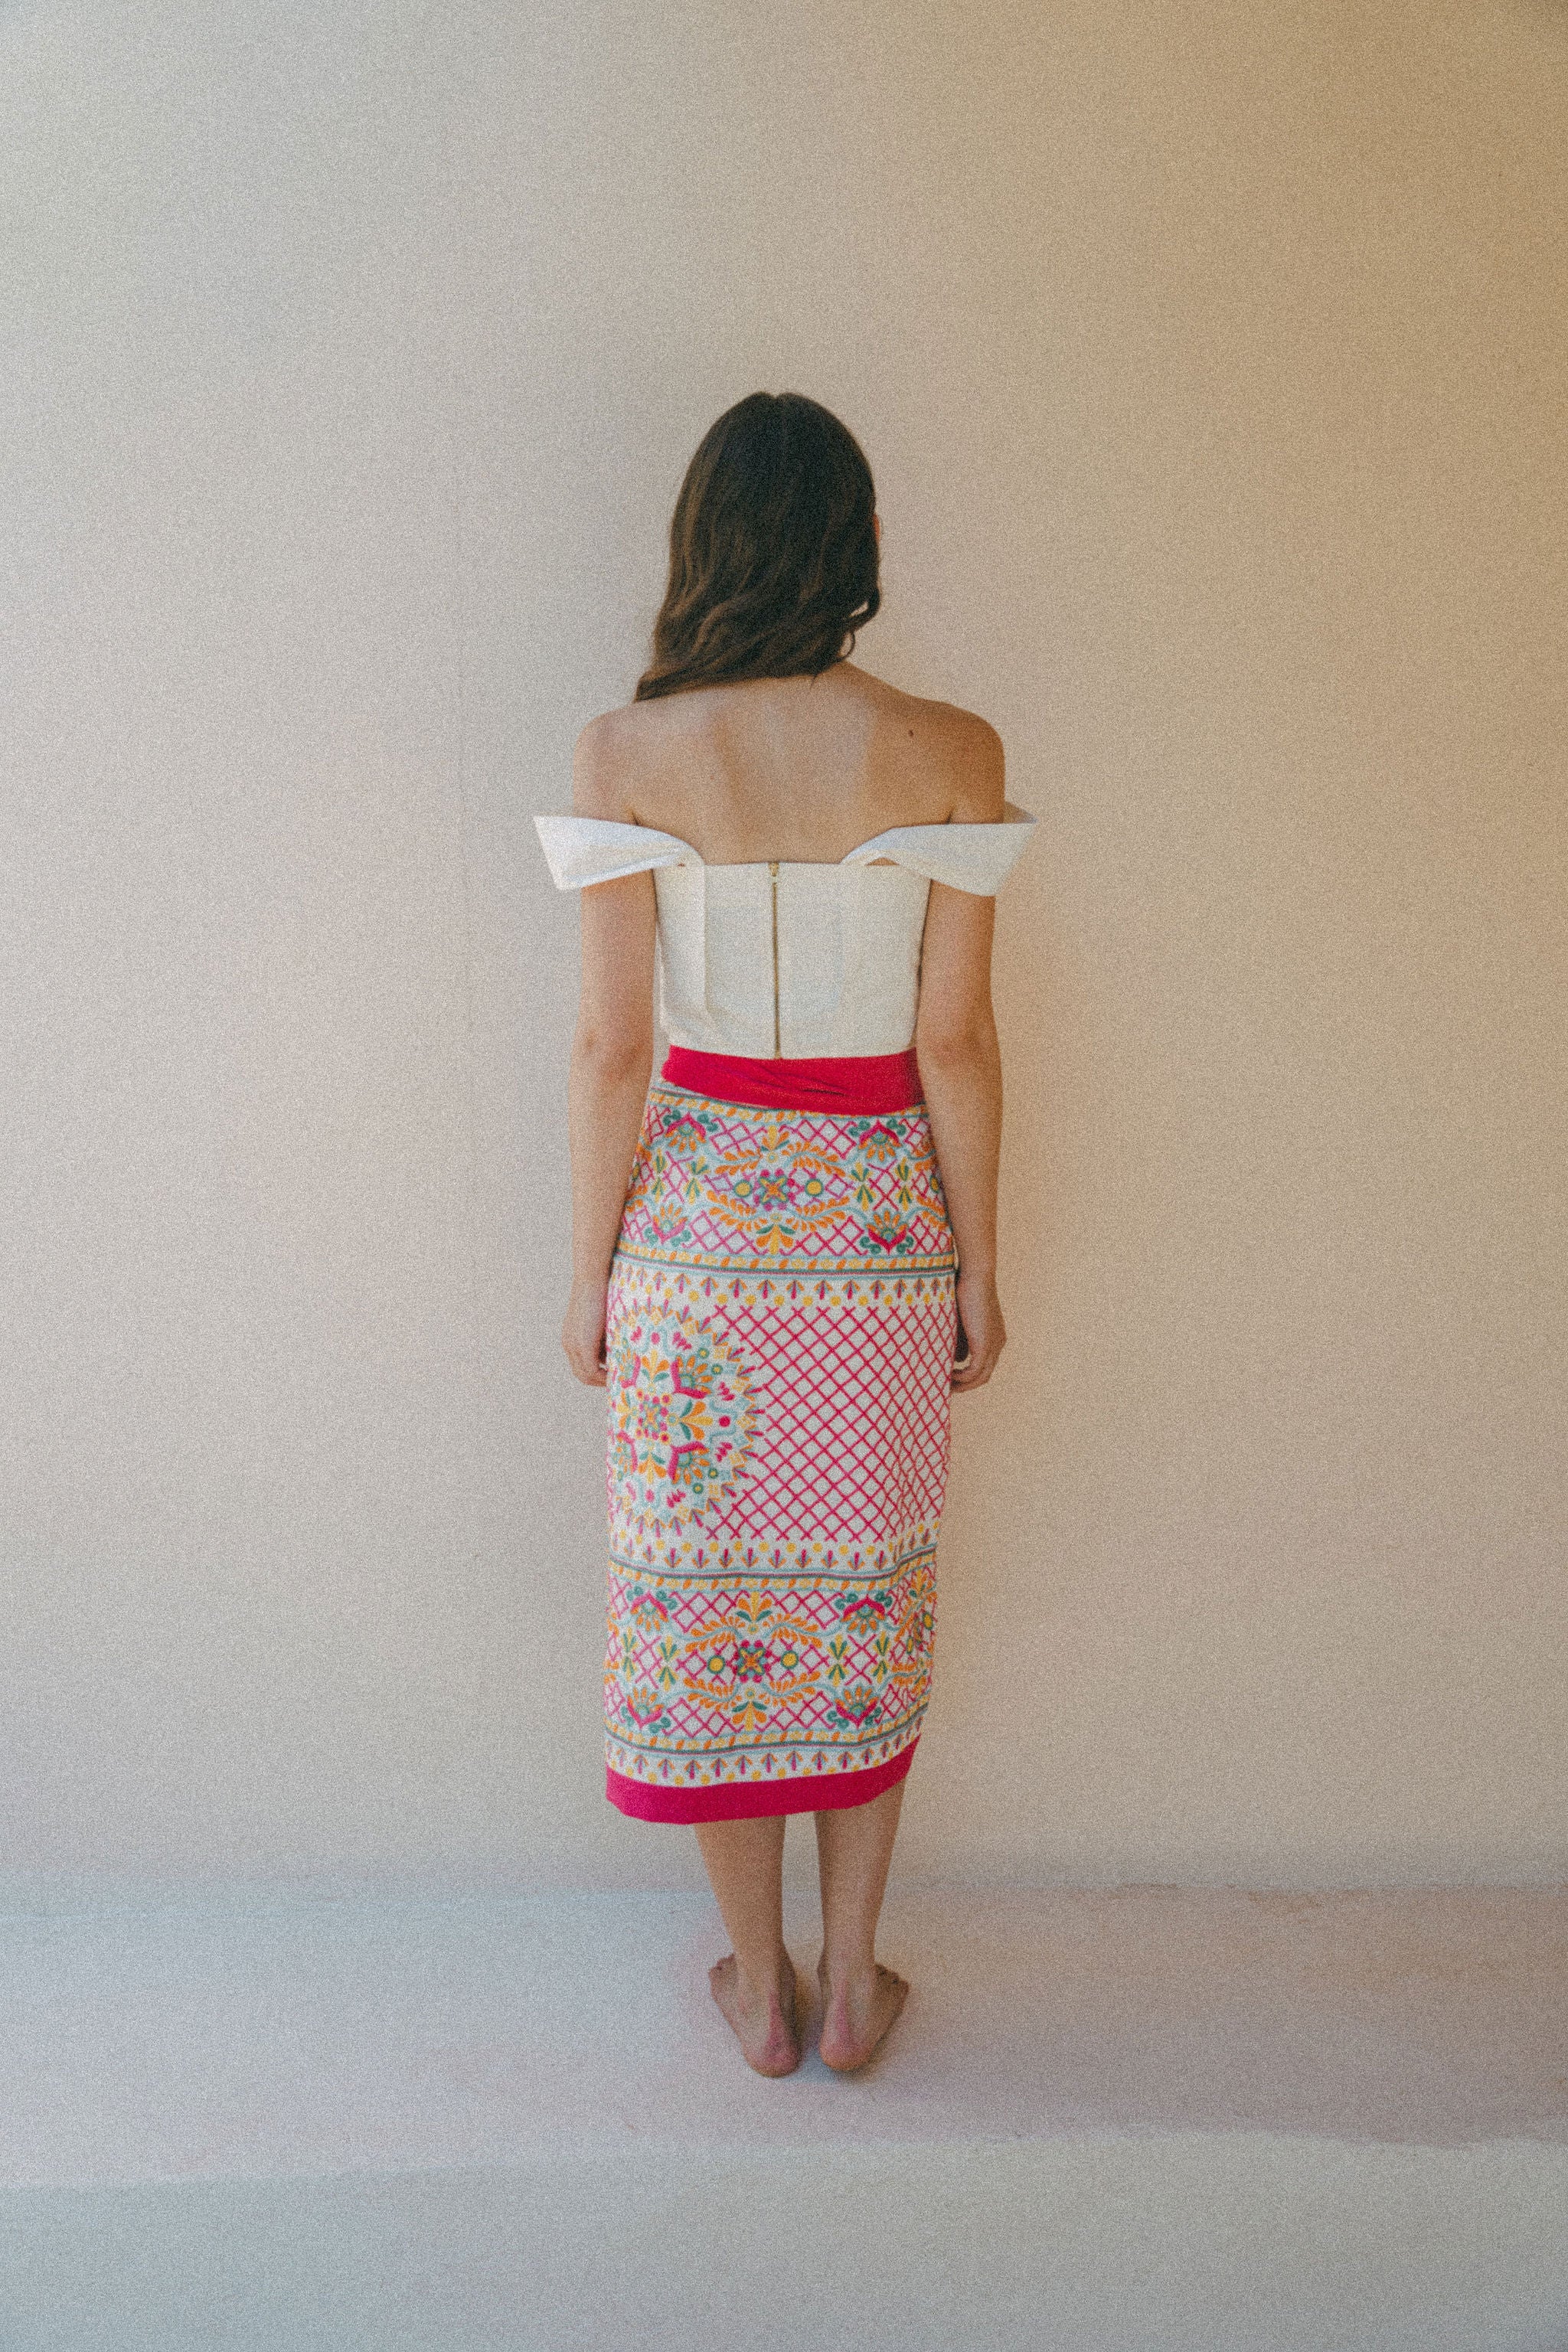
961	1075
612	1059
961	1066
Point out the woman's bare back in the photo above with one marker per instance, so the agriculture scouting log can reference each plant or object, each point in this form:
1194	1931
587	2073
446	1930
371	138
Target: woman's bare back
793	768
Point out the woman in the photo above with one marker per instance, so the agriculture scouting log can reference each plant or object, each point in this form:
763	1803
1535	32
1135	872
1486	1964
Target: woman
783	1256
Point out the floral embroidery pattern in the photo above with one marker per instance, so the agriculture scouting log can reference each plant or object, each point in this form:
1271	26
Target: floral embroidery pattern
774	1193
723	1187
681	1414
708	1681
782	1322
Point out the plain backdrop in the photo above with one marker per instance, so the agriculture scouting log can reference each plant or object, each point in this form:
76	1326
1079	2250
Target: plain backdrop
1210	362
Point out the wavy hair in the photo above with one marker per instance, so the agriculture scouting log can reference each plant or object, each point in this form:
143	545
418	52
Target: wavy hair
773	558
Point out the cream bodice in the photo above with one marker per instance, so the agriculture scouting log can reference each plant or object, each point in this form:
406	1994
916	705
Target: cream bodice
786	958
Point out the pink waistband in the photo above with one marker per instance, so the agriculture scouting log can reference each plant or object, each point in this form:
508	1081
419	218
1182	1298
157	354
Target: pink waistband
843	1082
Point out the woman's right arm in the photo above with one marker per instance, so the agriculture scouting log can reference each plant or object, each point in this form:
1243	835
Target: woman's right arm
961	1076
961	1065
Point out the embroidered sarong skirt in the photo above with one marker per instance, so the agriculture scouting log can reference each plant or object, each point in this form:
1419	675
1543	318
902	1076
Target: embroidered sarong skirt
780	1347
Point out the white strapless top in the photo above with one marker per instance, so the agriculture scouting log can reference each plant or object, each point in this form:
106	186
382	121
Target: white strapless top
786	957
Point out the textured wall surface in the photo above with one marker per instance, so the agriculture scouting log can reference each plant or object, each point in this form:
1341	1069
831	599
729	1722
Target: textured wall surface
1210	362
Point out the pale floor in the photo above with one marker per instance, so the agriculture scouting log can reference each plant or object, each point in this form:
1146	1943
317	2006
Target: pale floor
1141	2120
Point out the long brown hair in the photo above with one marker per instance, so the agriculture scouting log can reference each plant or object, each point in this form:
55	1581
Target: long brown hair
773	558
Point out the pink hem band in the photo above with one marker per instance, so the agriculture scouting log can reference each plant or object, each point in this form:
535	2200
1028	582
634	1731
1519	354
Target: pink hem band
737	1800
838	1082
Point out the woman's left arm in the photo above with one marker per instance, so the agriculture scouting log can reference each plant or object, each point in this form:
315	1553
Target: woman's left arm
612	1059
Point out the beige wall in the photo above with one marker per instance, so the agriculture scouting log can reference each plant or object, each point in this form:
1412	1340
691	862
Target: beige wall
1210	359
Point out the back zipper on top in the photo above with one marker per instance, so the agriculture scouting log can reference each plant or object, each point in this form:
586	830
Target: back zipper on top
773	887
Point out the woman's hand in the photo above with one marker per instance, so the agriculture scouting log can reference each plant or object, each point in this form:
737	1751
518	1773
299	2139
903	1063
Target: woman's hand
980	1325
582	1333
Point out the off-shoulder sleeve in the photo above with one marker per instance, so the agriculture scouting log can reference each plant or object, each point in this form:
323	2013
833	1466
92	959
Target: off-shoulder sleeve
583	849
974	857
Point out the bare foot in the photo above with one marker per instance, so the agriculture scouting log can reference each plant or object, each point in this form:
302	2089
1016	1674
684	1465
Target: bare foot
764	2025
855	2019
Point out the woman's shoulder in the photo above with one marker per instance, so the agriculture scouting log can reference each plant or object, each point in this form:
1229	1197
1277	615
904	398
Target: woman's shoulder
606	760
629	755
956	755
979	768
927	759
930	760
